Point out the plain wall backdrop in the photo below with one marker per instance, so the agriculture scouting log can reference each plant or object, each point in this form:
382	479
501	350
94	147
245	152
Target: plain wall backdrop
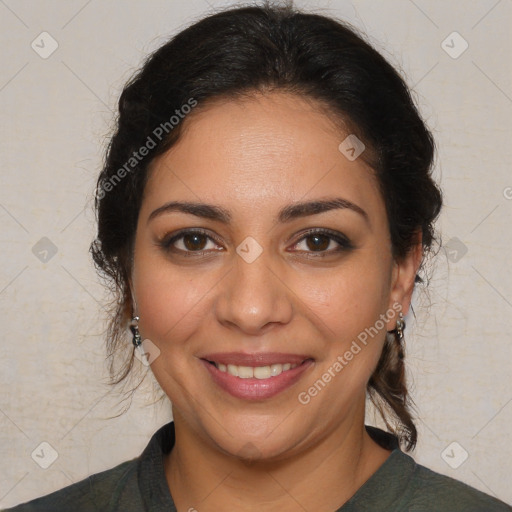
57	107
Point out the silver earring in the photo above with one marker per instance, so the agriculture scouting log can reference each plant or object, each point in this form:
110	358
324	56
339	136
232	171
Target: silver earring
400	326
134	327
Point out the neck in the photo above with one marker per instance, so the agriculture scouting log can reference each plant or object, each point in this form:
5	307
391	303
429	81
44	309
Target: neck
202	477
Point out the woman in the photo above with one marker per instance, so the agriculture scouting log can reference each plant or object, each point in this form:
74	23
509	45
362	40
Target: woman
264	210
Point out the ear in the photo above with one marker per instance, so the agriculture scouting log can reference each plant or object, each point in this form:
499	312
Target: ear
403	279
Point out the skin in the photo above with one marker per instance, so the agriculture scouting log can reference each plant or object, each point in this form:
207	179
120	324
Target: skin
252	157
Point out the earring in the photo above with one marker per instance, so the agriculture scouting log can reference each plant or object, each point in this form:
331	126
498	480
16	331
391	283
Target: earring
400	327
134	327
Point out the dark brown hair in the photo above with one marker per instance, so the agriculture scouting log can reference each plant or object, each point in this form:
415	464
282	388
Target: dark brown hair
240	51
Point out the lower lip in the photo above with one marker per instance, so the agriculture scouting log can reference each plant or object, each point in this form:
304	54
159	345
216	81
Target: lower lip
256	389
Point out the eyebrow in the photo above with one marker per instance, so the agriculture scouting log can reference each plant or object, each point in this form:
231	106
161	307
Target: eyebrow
286	214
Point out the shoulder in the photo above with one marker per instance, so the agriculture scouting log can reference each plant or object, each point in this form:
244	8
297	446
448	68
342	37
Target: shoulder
403	485
427	490
103	492
134	485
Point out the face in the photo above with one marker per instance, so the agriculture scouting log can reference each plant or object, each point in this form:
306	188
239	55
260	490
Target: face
262	251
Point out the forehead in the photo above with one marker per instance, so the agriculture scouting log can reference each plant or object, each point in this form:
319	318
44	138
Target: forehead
254	151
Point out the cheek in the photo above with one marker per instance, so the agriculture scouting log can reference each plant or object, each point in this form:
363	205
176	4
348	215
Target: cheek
170	302
346	309
349	299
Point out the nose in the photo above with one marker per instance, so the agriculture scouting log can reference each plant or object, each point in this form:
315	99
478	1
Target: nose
253	298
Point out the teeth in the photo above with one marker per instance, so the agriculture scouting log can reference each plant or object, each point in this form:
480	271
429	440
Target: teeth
232	370
276	369
245	372
258	372
262	372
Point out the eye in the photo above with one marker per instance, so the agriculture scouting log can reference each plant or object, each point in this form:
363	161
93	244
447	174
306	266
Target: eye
190	241
323	242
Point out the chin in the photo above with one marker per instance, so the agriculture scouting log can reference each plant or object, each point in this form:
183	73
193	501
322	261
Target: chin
255	438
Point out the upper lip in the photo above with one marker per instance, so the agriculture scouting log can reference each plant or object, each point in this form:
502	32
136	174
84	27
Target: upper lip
259	359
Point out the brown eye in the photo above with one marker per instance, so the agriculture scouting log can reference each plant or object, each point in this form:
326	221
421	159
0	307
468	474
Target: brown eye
190	242
318	242
323	242
195	241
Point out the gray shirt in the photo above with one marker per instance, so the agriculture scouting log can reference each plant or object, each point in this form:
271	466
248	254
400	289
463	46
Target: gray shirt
399	485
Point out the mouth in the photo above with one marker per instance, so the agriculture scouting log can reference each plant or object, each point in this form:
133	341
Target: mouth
257	376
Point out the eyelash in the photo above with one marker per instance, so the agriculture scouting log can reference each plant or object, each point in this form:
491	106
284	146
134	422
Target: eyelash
343	242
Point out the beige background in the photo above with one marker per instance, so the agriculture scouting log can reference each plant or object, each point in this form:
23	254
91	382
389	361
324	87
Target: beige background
56	115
